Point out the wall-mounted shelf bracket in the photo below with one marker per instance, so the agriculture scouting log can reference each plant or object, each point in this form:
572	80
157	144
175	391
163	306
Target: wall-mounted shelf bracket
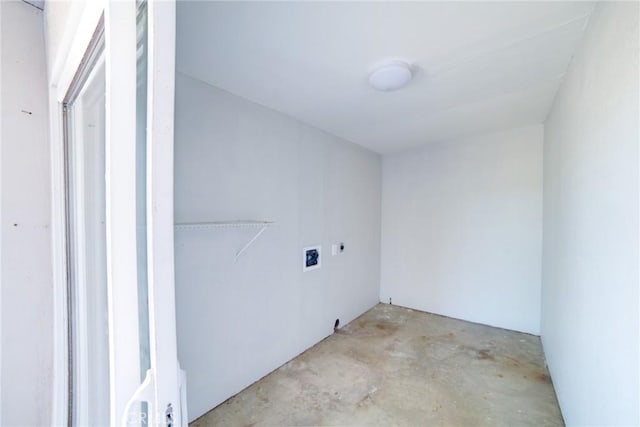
250	242
261	226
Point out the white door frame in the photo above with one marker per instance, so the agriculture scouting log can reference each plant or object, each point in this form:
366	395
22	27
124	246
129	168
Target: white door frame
84	18
120	52
122	266
162	315
164	386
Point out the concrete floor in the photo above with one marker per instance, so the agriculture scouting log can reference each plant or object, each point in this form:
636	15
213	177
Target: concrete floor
395	366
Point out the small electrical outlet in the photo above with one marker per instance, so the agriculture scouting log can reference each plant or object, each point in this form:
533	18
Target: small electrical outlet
334	250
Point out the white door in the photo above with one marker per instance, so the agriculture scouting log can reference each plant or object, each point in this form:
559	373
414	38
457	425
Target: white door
118	142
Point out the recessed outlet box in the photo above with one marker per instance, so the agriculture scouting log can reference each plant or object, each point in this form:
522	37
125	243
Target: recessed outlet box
311	257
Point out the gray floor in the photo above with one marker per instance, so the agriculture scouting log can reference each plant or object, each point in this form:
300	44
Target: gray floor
395	366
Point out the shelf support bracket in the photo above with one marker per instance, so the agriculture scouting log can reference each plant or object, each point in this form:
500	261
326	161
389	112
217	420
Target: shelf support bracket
250	242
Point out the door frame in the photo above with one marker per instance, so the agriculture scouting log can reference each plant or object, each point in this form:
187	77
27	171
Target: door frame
171	389
83	19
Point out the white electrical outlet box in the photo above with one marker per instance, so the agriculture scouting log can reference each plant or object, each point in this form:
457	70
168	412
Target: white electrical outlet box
334	250
311	258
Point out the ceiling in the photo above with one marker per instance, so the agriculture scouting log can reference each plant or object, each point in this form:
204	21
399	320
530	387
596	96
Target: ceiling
478	67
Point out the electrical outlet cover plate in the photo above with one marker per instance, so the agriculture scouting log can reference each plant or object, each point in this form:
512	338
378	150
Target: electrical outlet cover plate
311	258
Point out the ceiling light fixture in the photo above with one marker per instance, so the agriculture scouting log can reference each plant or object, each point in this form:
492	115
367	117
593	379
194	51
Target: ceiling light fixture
390	76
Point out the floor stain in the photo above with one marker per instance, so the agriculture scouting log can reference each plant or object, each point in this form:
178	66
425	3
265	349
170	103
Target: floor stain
543	377
485	355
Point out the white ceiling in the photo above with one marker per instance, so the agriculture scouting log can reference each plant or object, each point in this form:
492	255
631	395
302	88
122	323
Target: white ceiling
479	67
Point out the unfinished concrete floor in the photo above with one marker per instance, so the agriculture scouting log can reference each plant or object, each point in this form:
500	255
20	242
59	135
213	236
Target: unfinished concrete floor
396	366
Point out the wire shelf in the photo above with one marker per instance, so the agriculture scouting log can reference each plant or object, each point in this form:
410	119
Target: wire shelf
261	226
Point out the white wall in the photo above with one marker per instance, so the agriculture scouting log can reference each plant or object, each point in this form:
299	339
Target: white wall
25	243
237	160
462	228
58	16
590	309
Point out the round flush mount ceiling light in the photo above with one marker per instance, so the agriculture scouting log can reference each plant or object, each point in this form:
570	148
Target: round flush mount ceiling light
390	76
